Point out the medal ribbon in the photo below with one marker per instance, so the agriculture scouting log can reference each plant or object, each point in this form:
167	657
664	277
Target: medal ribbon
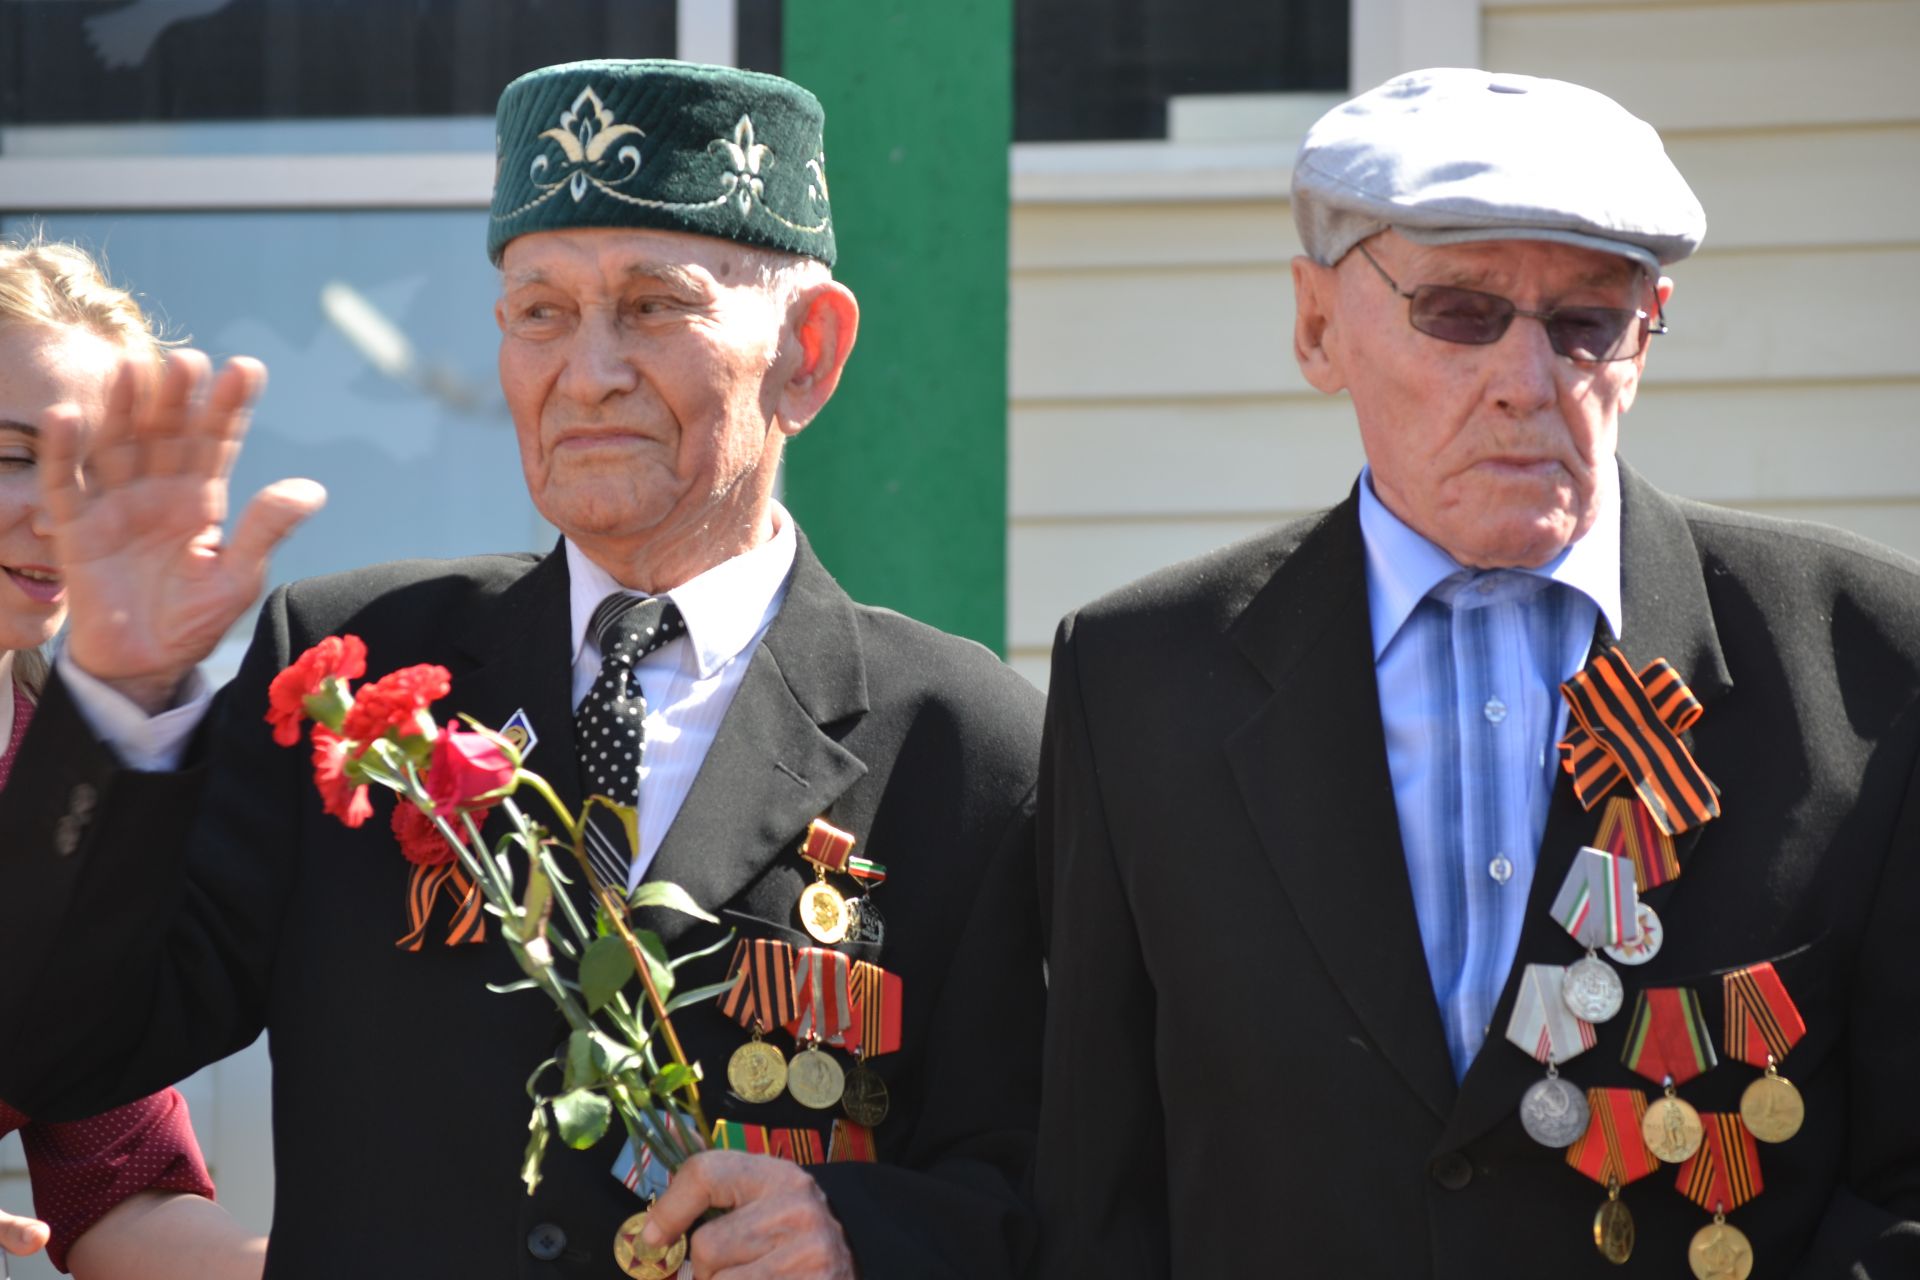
762	975
1541	1023
1725	1172
1668	1036
1627	830
827	846
802	1146
1597	903
731	1135
851	1142
428	883
825	1007
877	1002
868	872
1612	1149
1762	1019
1627	726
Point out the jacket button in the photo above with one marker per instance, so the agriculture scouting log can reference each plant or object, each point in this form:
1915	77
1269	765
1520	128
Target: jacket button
1452	1171
546	1241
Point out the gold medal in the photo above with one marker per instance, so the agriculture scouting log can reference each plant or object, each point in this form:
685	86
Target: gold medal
757	1071
1613	1227
864	1098
1771	1108
1720	1252
1671	1129
636	1258
823	912
815	1079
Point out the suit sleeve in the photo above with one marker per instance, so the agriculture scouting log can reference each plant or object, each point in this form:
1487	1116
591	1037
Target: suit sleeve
138	910
1101	1166
955	1206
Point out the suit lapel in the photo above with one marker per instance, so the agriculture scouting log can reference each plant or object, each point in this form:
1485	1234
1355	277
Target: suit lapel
1665	613
772	767
1311	765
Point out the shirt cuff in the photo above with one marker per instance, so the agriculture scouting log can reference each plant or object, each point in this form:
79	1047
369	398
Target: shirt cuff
152	744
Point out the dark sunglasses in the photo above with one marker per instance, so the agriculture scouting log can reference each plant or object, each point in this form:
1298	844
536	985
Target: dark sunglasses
1596	335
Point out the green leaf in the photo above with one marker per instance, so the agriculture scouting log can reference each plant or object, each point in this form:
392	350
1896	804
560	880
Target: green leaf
696	995
672	1078
660	893
536	1149
704	952
606	968
582	1116
659	964
587	1060
508	988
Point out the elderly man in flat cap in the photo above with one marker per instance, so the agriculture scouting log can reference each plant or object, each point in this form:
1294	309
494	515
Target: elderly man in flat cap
1511	870
668	320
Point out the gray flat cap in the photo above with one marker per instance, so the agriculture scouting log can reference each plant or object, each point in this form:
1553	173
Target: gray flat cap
1450	155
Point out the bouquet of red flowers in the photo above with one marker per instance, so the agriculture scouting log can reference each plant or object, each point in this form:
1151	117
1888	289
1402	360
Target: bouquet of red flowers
448	781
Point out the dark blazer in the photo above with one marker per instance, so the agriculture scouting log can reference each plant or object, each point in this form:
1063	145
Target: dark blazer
1245	1070
194	909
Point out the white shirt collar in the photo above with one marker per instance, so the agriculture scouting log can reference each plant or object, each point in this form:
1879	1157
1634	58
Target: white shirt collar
1403	566
726	608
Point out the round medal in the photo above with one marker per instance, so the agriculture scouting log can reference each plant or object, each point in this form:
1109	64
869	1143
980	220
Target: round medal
1553	1112
823	912
1772	1109
1592	989
636	1258
757	1071
1613	1231
1646	946
1671	1129
1720	1252
865	1100
815	1079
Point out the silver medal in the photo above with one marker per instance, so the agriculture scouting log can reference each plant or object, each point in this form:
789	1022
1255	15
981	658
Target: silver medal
1646	946
1592	989
1553	1112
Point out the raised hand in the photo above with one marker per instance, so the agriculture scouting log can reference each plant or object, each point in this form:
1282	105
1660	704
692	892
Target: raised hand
152	585
777	1222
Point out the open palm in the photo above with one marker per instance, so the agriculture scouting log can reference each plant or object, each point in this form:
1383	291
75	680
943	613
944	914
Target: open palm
152	585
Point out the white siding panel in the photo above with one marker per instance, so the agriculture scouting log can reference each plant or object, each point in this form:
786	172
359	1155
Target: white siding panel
1232	233
1849	186
1708	66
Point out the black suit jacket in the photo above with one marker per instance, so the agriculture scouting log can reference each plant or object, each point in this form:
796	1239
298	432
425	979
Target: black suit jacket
197	908
1245	1070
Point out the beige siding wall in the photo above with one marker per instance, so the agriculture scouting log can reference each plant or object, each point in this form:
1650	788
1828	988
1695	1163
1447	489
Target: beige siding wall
1156	410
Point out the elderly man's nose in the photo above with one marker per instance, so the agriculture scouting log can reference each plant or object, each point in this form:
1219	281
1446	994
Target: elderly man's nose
1524	367
599	364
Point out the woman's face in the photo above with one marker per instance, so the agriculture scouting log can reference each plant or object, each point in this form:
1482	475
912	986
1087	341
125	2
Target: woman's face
39	368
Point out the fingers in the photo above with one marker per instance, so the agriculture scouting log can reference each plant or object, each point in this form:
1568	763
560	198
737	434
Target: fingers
21	1236
275	512
61	439
779	1224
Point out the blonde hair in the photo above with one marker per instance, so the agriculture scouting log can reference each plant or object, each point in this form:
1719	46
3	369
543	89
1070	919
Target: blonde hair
50	285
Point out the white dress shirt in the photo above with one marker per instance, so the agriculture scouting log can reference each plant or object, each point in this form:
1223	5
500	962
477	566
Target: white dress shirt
689	683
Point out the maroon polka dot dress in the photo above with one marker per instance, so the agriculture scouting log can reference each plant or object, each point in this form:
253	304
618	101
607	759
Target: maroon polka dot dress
82	1169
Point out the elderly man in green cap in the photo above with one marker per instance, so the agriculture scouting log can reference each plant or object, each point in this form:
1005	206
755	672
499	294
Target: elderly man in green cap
668	320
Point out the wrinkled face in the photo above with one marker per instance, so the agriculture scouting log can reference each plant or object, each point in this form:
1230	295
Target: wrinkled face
642	369
1498	453
39	368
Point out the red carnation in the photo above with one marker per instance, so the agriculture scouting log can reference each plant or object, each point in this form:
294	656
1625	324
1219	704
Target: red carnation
341	797
397	702
420	840
335	657
465	766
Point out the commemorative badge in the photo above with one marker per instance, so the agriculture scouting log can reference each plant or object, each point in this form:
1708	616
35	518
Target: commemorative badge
1613	1153
519	731
1667	1043
1763	1023
824	912
1598	907
1552	1111
762	995
1720	1177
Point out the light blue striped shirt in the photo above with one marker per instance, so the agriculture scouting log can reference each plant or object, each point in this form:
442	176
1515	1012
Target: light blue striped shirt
1469	665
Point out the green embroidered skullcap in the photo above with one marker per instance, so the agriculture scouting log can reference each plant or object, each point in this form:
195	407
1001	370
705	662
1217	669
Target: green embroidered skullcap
655	143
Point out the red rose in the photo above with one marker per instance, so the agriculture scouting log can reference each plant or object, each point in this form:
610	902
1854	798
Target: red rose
464	767
342	657
397	702
420	840
341	798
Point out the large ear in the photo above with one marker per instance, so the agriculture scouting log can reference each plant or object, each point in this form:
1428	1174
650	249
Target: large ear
825	319
1316	290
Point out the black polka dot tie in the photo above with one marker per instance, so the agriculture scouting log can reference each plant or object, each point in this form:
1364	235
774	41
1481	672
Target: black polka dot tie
609	731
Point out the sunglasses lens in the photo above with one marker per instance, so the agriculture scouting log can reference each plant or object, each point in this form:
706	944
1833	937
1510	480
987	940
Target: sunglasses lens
1596	333
1460	315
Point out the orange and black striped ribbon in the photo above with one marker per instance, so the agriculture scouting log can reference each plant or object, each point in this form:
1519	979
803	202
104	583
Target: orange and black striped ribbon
1627	831
1725	1172
851	1142
762	975
1612	1150
1762	1020
827	846
877	1010
1668	1036
469	922
1628	726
